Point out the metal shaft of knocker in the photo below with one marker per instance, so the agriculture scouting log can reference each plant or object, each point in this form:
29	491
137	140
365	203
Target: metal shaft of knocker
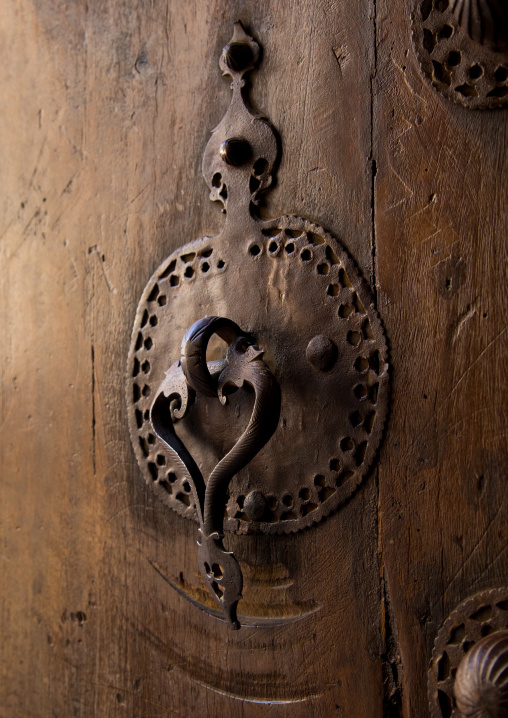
243	366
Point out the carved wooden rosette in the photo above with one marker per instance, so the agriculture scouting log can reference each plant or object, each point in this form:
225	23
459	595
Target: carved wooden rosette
462	47
293	288
468	675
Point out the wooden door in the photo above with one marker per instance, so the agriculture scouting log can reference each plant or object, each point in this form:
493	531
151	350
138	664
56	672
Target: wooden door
106	110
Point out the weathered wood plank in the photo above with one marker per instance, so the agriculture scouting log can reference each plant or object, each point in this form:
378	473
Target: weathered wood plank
441	225
110	107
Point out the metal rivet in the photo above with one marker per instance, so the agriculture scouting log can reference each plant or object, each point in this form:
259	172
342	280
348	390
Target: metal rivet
238	56
255	505
235	151
321	353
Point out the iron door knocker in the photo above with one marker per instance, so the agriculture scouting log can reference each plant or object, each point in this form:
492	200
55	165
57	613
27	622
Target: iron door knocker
302	375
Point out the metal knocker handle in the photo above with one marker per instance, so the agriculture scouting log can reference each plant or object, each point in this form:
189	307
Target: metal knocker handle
242	366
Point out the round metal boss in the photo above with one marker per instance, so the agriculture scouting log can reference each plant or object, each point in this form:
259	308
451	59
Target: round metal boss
485	614
296	291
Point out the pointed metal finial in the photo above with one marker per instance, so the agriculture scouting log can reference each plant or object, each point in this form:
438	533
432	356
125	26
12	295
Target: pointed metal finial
240	54
241	155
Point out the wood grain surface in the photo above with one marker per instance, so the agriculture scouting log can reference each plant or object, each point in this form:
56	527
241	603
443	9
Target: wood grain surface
441	229
106	111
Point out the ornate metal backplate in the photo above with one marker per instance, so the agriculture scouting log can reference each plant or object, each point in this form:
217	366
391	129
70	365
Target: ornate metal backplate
462	46
296	297
485	614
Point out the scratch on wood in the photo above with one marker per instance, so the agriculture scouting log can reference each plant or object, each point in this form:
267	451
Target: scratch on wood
407	129
68	187
432	235
432	200
473	363
41	149
125	509
460	323
450	393
405	80
126	213
95	250
474	549
409	192
490	565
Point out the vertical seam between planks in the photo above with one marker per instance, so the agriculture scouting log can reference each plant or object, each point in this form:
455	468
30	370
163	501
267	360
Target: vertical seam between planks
373	166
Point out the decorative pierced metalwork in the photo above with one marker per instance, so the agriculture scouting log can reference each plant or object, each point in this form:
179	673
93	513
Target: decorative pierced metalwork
462	46
295	292
481	683
469	671
243	368
485	21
